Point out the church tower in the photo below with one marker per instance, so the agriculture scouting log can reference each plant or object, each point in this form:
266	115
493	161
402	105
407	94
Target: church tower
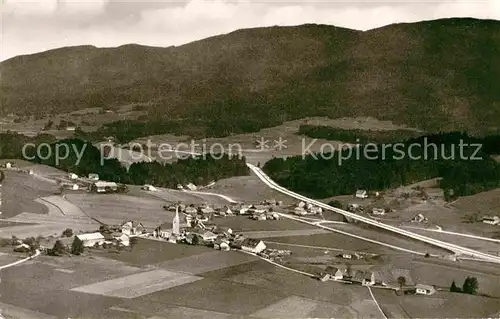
176	223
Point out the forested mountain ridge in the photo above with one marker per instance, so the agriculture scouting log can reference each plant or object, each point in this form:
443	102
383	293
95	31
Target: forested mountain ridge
436	75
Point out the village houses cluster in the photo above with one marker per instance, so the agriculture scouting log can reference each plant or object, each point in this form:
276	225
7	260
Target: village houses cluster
194	228
376	279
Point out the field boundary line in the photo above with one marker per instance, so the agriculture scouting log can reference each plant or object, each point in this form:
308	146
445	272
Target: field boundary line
279	265
319	247
355	236
226	198
48	203
376	303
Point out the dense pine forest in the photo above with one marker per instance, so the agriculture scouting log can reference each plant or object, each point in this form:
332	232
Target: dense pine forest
356	136
321	175
196	170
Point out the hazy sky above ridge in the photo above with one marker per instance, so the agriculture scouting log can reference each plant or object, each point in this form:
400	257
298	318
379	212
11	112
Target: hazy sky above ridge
30	26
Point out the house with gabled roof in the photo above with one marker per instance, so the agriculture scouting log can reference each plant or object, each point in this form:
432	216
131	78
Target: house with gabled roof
208	236
132	228
223	230
364	277
93	176
253	245
244	210
221	243
421	289
492	220
91	239
361	193
335	273
191	210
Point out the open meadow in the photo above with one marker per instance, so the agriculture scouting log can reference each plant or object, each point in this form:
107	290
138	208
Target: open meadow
441	305
332	240
248	189
118	208
473	243
442	274
173	281
20	191
389	238
246	224
189	197
149	252
293	143
455	217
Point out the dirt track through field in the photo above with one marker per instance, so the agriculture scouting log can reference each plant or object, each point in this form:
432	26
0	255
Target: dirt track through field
66	207
285	233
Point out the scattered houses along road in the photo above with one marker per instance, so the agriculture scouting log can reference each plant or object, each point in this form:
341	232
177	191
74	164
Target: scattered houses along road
452	247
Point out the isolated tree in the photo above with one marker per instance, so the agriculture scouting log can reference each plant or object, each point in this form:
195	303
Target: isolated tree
401	282
32	250
48	126
58	248
335	203
104	229
77	246
14	240
348	270
454	288
196	240
33	244
132	242
68	232
30	241
470	285
427	255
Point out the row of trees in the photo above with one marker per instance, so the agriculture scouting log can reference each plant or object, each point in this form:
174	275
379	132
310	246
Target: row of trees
490	144
342	173
355	136
59	249
470	286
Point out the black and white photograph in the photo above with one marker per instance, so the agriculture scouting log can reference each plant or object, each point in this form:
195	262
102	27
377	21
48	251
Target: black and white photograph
249	159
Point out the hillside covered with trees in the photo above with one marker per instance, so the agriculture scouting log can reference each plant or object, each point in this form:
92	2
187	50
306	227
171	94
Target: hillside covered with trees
321	176
439	75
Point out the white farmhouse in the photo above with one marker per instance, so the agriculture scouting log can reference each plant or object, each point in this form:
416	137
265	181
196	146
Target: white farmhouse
93	176
131	228
492	220
300	211
253	245
150	188
421	289
361	193
104	187
335	273
378	211
91	239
